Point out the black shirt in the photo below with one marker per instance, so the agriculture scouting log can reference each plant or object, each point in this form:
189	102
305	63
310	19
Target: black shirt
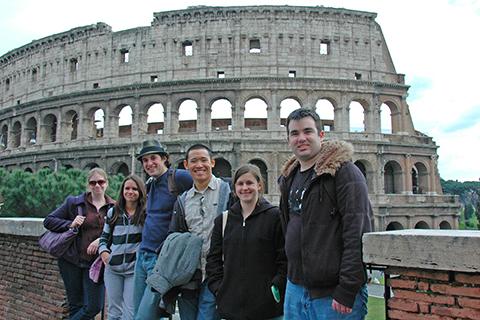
293	237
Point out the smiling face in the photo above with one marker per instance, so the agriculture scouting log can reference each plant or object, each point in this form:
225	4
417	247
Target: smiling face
130	191
97	184
154	164
200	165
247	188
304	139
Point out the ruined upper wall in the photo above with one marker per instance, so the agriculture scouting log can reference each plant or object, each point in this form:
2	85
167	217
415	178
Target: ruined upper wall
221	39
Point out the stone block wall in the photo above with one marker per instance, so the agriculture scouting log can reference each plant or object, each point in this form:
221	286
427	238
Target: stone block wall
30	283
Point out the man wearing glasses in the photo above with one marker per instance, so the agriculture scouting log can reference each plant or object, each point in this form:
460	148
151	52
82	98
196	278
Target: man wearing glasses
160	200
194	212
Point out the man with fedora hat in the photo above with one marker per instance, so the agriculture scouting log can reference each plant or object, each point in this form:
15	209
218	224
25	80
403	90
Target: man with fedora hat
160	200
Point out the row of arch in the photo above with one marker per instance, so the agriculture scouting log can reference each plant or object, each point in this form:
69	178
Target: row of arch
155	118
395	225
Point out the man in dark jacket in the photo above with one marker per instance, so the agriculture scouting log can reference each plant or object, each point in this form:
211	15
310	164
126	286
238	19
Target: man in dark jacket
325	210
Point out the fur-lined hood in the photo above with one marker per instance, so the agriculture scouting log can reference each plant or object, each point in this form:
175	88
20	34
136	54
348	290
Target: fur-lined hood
332	155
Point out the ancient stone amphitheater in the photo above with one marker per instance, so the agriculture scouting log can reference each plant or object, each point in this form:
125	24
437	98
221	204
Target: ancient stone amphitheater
226	77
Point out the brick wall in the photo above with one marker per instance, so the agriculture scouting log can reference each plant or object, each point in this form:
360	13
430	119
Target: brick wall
30	283
427	294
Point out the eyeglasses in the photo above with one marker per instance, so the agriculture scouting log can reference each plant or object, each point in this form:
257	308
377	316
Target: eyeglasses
99	182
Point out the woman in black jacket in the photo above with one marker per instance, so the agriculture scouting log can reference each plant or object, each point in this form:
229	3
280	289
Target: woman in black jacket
246	265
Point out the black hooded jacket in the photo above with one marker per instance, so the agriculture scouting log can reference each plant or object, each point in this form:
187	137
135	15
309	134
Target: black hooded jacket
254	260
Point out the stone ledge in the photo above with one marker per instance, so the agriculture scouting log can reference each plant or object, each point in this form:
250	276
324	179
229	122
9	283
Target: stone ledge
22	226
453	250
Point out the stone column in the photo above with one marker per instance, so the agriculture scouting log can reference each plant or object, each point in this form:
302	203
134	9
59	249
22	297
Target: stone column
407	175
273	112
238	122
341	115
373	116
136	110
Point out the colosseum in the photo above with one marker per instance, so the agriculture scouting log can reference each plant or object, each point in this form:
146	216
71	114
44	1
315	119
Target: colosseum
226	77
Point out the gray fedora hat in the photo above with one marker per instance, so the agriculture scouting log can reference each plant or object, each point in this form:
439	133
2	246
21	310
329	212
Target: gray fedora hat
151	147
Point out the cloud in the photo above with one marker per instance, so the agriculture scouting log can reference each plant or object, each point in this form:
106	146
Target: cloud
418	85
466	120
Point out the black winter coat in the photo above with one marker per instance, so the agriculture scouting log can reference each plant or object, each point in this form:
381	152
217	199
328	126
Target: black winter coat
254	260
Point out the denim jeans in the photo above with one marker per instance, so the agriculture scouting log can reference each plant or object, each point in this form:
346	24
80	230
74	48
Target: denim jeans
145	300
119	295
85	297
299	306
198	307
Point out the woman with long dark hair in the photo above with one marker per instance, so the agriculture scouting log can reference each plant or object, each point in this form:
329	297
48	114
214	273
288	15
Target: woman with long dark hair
119	242
84	214
246	265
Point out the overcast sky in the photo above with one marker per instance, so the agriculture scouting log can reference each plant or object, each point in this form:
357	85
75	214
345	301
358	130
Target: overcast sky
435	43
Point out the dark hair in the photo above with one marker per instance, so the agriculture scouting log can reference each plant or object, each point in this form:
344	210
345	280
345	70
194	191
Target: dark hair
199	146
301	113
165	156
254	170
139	215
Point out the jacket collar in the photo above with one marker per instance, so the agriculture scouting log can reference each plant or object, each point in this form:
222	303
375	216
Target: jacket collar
333	154
262	206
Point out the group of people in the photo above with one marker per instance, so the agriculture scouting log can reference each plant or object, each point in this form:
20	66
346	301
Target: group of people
253	260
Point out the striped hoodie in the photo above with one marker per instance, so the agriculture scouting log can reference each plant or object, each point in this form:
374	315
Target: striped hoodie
124	243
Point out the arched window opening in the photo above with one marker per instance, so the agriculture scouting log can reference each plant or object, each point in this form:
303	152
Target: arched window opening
357	117
362	168
420	184
72	125
222	168
17	134
155	119
125	122
90	166
286	107
4	137
67	166
28	169
445	225
394	226
263	170
122	168
255	114
326	111
49	128
385	119
392	178
31	131
422	225
221	115
98	123
367	171
187	116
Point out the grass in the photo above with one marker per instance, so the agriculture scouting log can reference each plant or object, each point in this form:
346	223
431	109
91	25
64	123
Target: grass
376	309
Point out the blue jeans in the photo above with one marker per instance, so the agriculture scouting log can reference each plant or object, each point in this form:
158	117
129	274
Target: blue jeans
145	300
201	306
85	297
299	306
119	294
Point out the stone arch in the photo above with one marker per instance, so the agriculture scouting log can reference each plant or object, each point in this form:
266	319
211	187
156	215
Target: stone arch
16	134
71	124
120	167
422	225
187	115
394	226
49	128
256	114
97	117
367	170
28	169
222	168
325	108
445	225
288	105
90	166
156	118
67	166
385	119
263	170
4	137
125	120
392	177
419	178
394	116
221	114
357	115
31	131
